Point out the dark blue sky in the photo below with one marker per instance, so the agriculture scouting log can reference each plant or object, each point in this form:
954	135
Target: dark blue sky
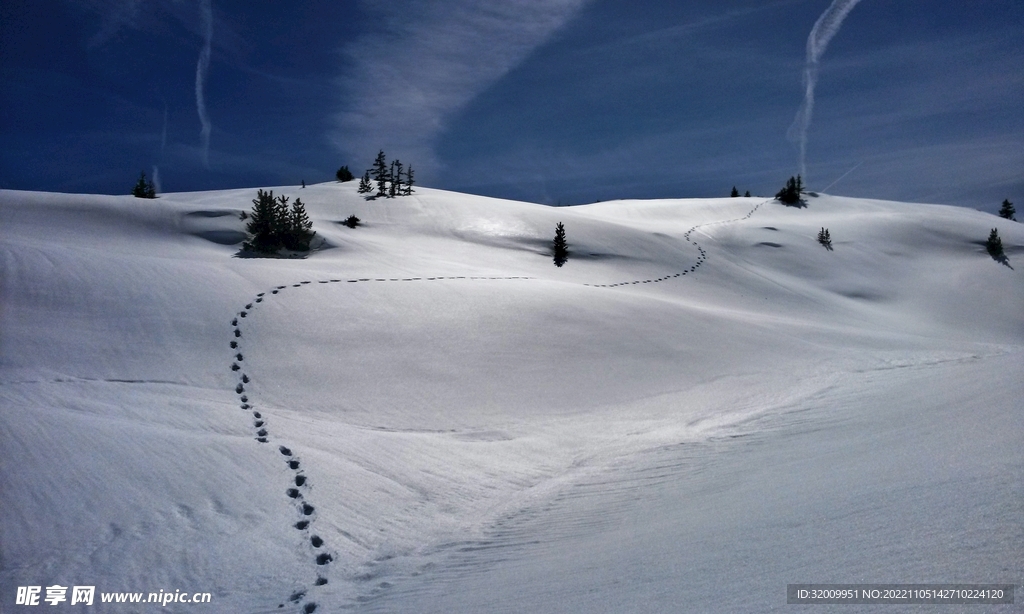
553	101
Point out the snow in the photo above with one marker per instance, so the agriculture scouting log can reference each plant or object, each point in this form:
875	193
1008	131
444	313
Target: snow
478	430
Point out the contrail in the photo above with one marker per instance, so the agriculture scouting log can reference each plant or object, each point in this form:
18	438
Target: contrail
206	17
841	177
824	29
160	158
163	133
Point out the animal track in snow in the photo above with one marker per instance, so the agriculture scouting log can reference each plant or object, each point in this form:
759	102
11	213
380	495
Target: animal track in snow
303	507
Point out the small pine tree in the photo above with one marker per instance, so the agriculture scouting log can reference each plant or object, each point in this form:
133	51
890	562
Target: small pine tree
825	239
559	247
344	174
143	188
747	193
351	221
994	245
1007	211
380	173
391	180
734	192
364	183
396	182
408	182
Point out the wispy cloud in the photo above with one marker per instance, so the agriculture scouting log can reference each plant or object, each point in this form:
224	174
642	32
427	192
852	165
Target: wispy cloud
425	61
824	29
114	15
202	66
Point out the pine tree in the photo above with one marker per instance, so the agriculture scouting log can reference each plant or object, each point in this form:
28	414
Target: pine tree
263	224
1007	211
559	246
380	173
747	193
408	182
344	174
364	183
825	239
734	192
282	222
396	182
299	232
391	180
143	188
994	245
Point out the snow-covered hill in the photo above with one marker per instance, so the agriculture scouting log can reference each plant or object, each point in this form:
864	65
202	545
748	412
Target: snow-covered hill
700	407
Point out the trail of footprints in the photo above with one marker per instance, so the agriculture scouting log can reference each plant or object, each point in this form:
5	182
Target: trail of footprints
296	492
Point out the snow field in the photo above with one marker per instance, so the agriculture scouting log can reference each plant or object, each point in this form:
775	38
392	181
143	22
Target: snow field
455	433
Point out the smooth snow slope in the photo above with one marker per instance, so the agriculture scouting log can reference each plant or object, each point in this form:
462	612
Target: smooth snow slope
702	406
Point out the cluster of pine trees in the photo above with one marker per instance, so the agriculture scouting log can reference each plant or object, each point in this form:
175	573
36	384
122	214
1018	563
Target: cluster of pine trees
792	193
389	182
143	188
273	225
344	174
736	193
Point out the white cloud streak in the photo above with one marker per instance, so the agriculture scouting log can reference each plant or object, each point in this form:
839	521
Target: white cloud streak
202	66
427	60
824	29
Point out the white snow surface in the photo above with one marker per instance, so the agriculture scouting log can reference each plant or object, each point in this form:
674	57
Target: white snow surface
702	406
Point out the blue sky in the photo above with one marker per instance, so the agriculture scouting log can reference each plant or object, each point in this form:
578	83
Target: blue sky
552	101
